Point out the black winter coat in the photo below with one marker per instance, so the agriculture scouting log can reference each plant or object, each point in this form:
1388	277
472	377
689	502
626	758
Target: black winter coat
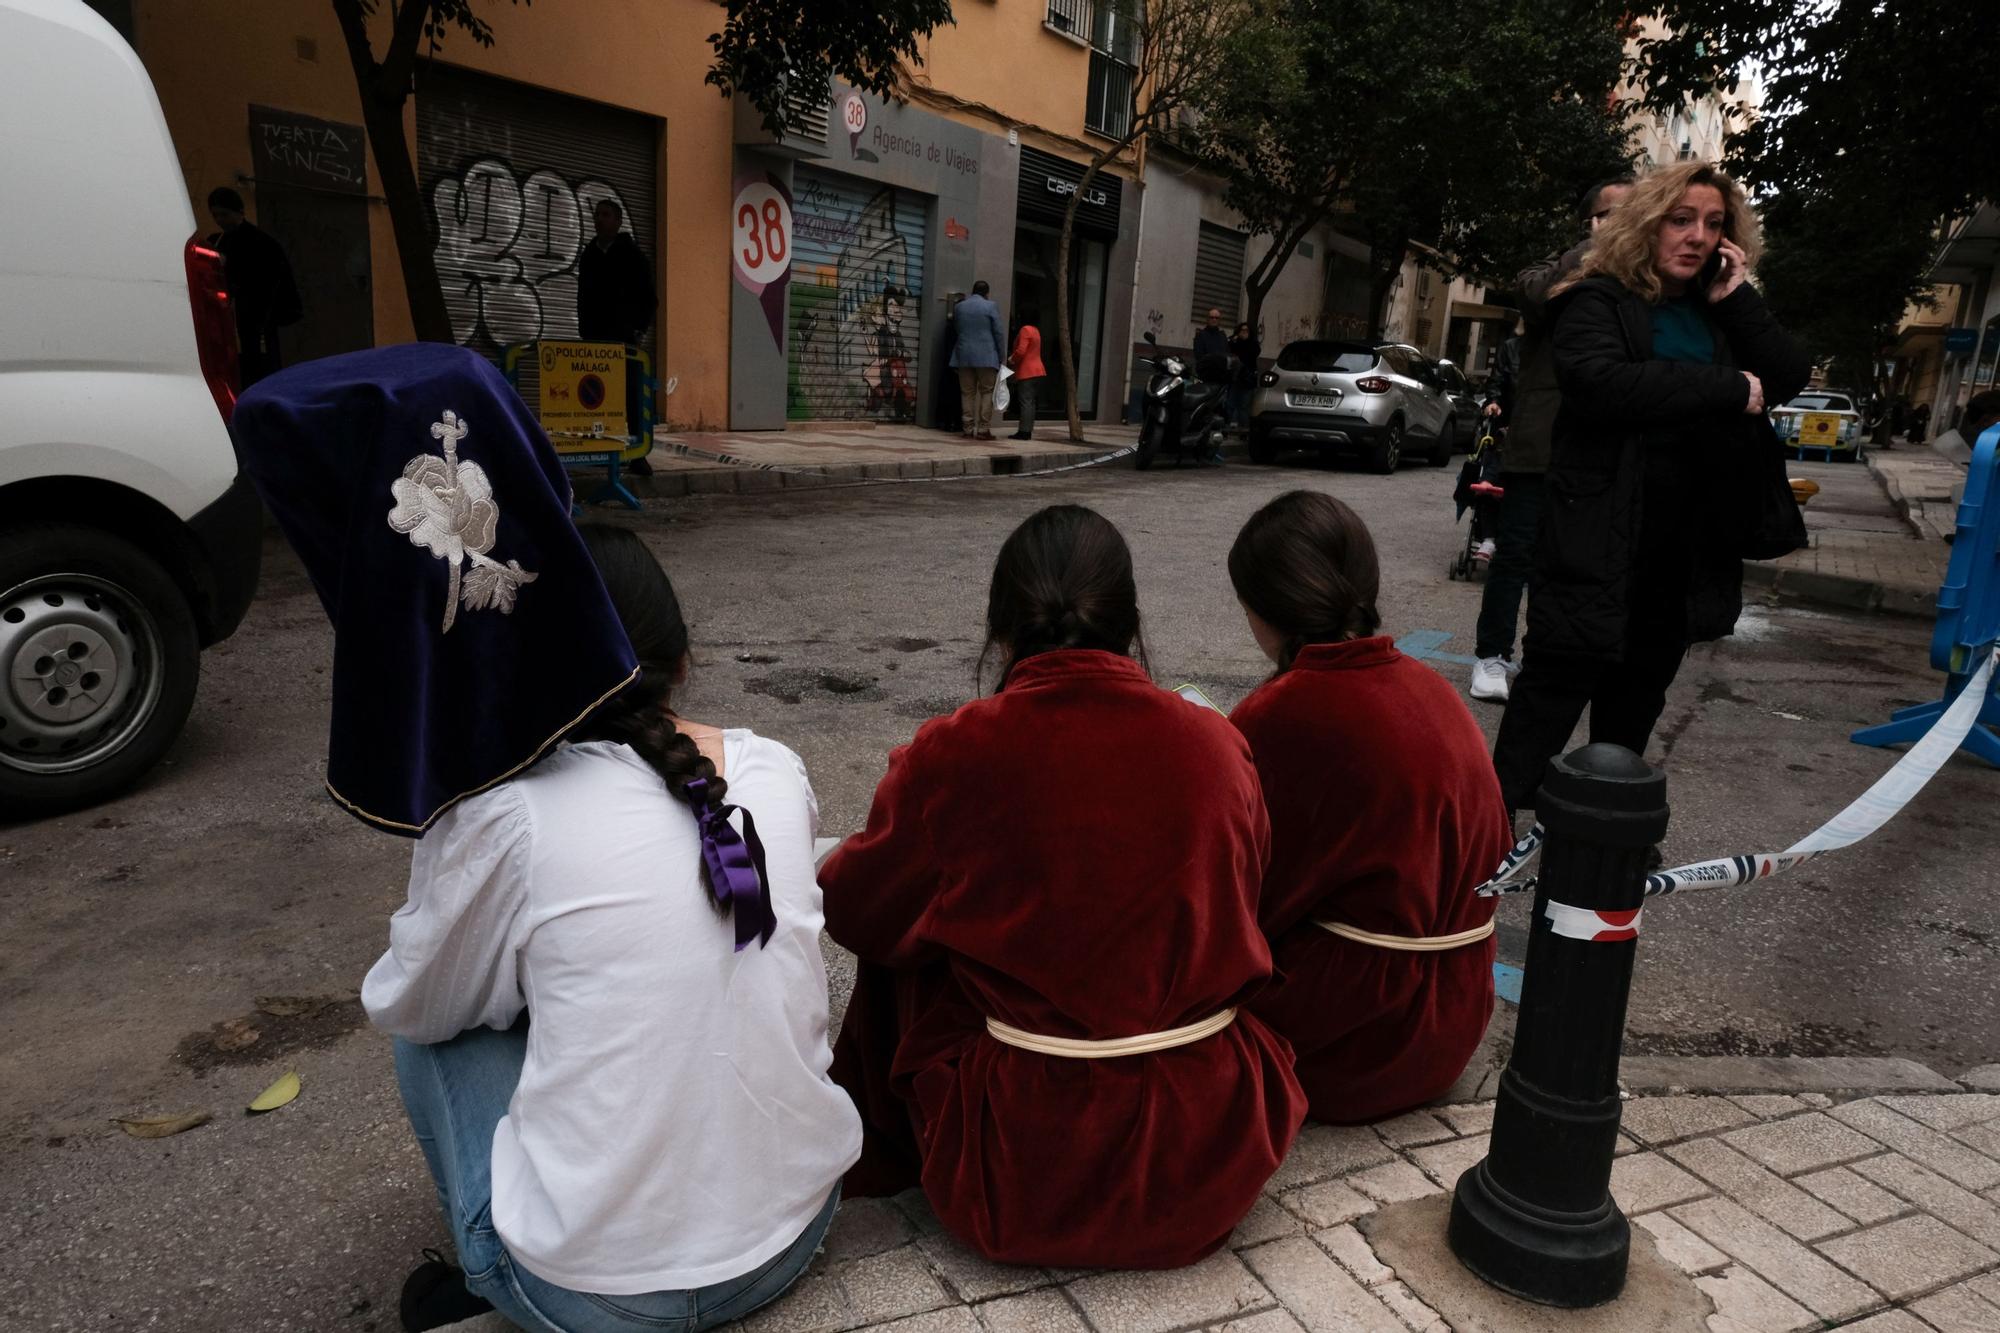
1617	402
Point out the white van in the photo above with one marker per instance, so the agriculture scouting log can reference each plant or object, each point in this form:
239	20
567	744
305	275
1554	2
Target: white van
128	540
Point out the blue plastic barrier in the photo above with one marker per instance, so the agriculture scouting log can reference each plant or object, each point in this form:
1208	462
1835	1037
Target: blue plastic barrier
1968	623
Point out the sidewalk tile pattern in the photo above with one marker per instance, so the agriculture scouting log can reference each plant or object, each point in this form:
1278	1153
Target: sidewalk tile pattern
1790	1213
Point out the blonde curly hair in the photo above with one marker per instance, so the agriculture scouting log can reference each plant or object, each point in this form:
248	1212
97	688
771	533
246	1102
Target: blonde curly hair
1624	244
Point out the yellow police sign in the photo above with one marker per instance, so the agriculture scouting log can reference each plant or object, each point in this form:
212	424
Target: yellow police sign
1819	429
582	392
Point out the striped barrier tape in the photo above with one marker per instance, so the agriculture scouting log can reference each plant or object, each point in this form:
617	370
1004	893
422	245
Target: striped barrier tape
1861	819
1599	927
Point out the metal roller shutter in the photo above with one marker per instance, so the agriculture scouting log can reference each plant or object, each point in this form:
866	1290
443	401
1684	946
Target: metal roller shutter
510	175
857	293
1218	274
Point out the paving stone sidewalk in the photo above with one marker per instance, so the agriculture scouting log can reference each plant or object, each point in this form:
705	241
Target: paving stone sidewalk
1789	1212
1871	550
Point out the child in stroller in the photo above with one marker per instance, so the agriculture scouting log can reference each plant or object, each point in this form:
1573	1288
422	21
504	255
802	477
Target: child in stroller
1479	490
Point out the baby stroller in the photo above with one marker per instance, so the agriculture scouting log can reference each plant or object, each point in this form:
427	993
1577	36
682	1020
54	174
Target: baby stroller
1479	490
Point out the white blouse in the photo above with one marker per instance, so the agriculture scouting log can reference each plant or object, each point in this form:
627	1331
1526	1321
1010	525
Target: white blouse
674	1125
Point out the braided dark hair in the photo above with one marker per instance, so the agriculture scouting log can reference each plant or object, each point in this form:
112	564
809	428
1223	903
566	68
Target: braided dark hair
1063	580
644	598
1305	563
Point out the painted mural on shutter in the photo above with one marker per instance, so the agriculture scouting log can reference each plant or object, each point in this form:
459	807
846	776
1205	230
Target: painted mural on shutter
511	175
857	294
1218	274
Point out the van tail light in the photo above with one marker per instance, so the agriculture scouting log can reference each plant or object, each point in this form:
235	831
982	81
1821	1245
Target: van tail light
1268	378
214	323
1372	384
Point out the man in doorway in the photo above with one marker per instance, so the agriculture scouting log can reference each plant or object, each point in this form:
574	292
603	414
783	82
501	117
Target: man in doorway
615	299
1528	406
261	284
1211	350
981	346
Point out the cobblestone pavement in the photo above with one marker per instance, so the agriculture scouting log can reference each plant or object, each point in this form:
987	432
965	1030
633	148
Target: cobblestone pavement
1788	1212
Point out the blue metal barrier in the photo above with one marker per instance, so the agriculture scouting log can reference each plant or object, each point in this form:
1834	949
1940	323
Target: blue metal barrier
1968	623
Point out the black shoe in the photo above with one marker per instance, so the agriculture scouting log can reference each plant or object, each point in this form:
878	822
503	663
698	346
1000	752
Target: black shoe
1018	436
435	1295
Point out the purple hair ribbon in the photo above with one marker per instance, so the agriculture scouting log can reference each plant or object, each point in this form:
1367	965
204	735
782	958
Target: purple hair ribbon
735	864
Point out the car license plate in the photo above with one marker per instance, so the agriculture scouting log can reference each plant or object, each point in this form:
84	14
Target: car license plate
1819	428
1313	399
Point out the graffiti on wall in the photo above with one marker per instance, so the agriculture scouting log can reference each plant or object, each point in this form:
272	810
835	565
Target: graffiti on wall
507	246
853	347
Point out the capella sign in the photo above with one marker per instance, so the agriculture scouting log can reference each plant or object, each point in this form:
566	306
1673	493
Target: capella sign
1094	196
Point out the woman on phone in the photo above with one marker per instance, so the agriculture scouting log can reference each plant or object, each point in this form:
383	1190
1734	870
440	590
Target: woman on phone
1055	907
1385	817
1667	358
605	989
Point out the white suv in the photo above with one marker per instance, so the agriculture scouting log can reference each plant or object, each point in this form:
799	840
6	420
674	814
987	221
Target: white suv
1379	400
128	540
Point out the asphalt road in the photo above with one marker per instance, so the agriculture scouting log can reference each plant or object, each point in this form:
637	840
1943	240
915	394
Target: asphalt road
179	948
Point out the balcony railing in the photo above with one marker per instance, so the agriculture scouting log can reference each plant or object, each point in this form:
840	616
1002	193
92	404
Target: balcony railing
1077	17
1108	108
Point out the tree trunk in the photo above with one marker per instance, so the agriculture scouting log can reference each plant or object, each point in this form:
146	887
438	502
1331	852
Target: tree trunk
1065	345
418	260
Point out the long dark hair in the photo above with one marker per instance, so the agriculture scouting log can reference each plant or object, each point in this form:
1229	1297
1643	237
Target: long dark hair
1306	565
1063	580
644	598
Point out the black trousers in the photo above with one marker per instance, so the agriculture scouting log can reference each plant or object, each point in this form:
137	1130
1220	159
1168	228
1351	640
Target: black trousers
1024	397
1507	575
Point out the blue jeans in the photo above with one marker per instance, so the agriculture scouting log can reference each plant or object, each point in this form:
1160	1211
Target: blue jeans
455	1093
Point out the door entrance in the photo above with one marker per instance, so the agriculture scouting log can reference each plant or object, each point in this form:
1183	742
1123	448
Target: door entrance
1035	251
325	236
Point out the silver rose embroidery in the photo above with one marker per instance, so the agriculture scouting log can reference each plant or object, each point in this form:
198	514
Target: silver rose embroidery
447	507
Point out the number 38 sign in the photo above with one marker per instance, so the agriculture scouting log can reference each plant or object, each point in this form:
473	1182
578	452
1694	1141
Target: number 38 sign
761	243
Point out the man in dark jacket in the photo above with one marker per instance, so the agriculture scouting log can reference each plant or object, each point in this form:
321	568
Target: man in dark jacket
615	299
1211	350
261	285
1528	400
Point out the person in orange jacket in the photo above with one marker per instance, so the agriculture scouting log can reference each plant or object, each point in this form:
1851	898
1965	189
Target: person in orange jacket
1026	362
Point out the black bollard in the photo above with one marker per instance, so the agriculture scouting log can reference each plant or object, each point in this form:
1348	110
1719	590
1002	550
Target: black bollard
1536	1217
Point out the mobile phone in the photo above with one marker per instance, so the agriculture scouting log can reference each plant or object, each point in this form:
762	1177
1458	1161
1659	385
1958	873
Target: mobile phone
1711	270
1193	694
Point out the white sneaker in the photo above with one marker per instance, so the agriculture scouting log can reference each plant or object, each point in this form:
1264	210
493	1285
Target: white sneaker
1490	679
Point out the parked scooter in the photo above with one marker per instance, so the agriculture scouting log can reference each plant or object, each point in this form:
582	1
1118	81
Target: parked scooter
1183	415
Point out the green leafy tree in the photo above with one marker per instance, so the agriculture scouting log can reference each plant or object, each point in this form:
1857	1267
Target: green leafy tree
773	52
781	54
1465	128
1877	123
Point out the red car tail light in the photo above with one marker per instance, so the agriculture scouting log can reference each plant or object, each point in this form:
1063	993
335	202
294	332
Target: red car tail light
214	323
1372	384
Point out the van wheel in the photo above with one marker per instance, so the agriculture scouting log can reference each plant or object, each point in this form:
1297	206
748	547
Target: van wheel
98	664
1390	452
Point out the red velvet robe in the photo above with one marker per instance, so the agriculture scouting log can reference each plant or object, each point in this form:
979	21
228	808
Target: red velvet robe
1385	815
1078	856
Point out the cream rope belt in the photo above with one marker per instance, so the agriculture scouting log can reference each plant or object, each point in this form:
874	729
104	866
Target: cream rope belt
1407	943
1082	1048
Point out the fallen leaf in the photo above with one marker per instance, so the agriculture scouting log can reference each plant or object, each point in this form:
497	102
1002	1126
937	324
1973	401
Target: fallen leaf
278	1094
160	1126
235	1035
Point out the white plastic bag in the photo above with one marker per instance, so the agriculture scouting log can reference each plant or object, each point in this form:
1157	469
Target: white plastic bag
1001	397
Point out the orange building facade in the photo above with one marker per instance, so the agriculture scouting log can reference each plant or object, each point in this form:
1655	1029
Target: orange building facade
798	280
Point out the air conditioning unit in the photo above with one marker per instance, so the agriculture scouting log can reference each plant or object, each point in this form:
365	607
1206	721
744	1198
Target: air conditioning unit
805	126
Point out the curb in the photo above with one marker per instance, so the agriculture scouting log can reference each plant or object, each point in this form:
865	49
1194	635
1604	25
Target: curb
1808	587
748	479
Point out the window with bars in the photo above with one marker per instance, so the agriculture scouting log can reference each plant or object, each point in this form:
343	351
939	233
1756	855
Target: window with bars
1108	103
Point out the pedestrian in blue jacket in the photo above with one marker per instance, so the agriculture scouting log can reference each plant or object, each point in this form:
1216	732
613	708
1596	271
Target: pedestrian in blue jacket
981	347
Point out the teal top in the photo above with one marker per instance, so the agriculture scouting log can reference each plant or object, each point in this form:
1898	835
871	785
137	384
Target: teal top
1681	331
